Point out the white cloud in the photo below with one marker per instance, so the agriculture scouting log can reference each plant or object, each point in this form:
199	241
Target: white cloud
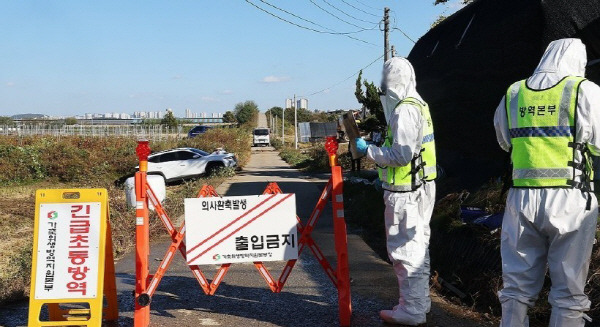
177	77
275	79
227	92
10	84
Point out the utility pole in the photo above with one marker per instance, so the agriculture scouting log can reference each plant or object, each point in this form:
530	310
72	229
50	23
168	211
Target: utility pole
295	123
386	32
283	127
393	51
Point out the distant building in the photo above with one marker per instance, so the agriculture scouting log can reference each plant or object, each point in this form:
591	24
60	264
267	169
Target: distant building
302	104
288	103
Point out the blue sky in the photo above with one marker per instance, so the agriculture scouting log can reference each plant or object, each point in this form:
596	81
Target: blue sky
72	57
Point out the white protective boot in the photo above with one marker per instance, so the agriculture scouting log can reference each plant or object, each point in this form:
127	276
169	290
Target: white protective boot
514	314
400	317
567	318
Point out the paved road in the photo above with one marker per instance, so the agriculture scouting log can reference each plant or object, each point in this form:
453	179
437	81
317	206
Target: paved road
262	120
243	299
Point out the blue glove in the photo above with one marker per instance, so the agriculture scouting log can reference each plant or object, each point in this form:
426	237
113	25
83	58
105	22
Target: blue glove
361	146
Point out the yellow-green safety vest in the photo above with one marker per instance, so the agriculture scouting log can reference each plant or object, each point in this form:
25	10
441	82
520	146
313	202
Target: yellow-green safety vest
542	127
423	166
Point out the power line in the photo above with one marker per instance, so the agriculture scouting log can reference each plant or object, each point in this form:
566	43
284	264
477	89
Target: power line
368	13
310	21
398	28
312	29
292	14
406	35
366	5
347	78
334	15
345	13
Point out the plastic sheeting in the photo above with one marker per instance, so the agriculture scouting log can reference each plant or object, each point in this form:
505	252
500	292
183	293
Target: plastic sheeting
478	216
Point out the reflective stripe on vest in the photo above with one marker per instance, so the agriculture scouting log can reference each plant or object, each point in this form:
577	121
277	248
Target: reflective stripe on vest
422	167
542	129
427	160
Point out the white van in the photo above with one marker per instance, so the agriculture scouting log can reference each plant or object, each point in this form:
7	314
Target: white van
261	136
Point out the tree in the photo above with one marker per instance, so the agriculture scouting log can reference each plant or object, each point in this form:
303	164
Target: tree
440	19
246	111
304	115
275	111
229	117
169	120
370	100
150	121
70	121
6	121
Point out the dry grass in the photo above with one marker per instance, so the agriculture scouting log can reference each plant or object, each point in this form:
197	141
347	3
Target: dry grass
313	157
28	164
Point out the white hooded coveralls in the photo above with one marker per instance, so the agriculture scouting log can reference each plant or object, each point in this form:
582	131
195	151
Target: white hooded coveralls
551	226
407	214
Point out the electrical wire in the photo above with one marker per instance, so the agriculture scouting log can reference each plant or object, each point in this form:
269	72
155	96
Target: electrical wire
368	13
345	13
366	5
294	15
346	34
310	21
403	33
347	78
395	27
333	15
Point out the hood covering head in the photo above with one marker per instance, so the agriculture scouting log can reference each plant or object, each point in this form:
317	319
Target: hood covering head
564	57
398	83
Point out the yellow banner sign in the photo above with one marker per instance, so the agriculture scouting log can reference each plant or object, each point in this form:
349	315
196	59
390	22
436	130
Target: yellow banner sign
72	265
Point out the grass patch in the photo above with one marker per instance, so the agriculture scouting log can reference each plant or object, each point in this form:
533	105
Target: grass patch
31	163
314	158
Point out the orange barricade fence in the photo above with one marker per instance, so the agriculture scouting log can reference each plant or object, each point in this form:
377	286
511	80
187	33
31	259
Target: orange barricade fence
146	284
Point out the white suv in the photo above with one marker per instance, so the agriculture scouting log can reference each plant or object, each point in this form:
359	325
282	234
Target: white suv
182	163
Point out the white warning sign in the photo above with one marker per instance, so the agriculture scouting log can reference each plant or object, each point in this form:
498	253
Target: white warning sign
241	229
68	250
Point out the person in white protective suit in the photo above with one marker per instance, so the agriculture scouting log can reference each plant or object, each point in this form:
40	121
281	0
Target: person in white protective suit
549	123
407	169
